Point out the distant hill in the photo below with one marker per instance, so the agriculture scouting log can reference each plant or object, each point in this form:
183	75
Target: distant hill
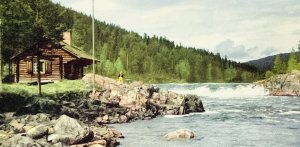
267	63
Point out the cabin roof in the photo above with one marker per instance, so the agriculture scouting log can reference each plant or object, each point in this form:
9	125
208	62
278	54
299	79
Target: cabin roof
76	51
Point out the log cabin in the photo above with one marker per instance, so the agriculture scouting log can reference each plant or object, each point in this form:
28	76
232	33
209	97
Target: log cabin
58	61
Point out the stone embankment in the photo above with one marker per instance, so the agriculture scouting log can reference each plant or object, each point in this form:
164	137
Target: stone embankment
284	84
79	118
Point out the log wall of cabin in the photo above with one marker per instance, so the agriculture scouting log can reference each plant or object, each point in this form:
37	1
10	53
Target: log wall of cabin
64	54
66	57
24	76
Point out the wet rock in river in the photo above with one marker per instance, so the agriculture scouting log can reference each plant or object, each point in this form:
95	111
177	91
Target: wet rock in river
180	134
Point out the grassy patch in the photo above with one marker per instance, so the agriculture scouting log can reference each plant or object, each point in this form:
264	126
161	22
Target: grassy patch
48	89
24	99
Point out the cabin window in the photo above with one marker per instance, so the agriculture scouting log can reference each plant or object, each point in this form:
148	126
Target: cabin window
46	67
42	67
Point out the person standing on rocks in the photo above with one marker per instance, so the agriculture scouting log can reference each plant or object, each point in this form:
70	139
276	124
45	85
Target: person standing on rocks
121	77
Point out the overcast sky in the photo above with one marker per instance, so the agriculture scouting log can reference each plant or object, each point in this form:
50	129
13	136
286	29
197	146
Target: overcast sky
242	30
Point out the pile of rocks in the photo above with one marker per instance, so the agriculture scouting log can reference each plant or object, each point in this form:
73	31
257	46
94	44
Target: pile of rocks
284	84
42	130
142	101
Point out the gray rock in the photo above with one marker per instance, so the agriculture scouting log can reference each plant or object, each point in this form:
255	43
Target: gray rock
96	145
17	126
20	141
103	131
4	135
123	119
180	134
68	131
37	132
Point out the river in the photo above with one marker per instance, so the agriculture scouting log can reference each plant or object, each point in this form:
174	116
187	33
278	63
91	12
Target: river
237	115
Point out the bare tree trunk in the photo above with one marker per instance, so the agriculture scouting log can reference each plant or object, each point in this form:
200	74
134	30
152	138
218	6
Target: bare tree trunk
10	71
39	74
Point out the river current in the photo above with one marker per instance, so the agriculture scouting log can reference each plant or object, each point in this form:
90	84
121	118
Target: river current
237	115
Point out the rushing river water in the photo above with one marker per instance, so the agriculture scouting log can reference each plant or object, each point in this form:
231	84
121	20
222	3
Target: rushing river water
236	115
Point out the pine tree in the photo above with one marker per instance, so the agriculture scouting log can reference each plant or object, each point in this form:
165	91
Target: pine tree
298	57
278	65
292	63
183	69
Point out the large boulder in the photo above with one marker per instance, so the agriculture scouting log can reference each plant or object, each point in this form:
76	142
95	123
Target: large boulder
69	131
192	103
180	134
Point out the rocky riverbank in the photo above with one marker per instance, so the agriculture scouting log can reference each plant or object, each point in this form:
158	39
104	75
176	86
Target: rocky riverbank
79	118
284	84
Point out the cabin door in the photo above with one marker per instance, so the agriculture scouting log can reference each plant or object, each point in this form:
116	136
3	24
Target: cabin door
71	70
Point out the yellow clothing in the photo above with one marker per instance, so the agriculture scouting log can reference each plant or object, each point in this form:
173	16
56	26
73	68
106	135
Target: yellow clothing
120	79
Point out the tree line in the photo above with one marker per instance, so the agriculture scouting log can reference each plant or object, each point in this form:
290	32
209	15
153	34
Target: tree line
281	67
140	57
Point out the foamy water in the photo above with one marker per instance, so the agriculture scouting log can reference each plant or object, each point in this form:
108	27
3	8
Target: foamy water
223	91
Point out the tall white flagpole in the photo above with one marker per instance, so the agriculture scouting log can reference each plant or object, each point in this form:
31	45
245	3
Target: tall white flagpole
93	28
1	55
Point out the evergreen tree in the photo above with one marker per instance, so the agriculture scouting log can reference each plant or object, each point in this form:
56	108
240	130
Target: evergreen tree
119	65
268	74
278	65
183	69
292	63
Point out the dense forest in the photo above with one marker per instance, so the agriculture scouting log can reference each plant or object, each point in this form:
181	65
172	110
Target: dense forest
140	57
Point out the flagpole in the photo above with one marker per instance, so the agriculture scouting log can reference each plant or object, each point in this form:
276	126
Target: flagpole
1	55
93	28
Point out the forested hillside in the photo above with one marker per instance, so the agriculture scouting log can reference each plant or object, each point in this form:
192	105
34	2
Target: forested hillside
267	63
140	57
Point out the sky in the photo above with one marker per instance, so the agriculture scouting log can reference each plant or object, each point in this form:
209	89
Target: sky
241	30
